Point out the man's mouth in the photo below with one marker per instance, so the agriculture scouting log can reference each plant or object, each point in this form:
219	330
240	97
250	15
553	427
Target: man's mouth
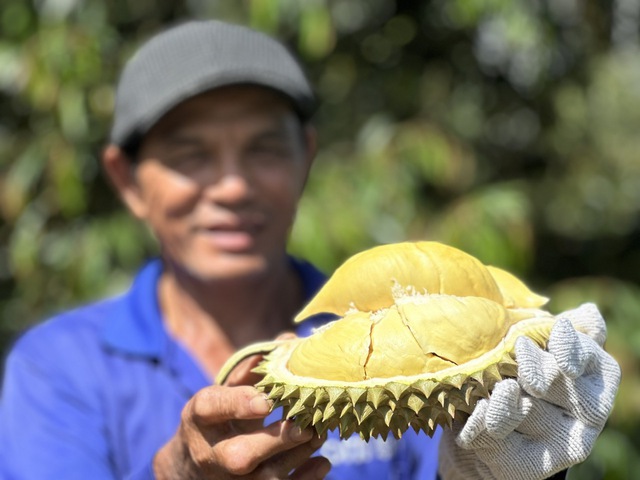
232	237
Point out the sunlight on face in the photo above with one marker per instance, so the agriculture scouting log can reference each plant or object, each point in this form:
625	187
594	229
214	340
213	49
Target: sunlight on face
220	177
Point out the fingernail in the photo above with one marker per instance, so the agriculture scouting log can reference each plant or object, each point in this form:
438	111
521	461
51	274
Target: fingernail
298	435
323	469
260	405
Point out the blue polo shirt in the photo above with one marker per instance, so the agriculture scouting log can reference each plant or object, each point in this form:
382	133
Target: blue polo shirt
93	393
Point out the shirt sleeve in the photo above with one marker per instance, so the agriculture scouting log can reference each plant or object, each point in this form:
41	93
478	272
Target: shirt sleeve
51	426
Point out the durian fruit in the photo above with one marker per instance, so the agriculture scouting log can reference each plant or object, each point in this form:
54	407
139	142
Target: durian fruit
425	330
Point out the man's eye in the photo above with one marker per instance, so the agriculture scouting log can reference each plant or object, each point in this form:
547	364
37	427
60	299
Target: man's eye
187	159
270	152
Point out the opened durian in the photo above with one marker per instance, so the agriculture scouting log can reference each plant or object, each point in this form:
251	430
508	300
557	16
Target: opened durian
425	330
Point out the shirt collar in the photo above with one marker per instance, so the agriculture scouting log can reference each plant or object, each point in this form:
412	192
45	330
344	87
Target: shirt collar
137	328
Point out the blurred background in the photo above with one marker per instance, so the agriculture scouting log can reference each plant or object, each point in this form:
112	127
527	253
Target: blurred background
506	128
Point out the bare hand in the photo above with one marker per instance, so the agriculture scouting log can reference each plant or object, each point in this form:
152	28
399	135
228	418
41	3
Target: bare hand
221	436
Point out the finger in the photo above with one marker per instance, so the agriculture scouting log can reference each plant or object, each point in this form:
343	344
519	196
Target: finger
295	459
573	351
475	425
313	469
537	369
588	320
589	397
506	409
240	427
216	405
242	454
554	438
242	373
595	392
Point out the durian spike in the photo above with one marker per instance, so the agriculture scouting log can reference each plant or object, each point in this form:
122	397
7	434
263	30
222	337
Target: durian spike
237	358
415	402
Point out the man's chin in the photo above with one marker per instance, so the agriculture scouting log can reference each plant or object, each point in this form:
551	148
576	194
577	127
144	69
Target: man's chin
229	267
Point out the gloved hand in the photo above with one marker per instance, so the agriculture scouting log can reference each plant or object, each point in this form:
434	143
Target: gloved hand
549	418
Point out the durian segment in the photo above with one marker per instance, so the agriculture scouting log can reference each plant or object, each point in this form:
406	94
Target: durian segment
410	338
395	351
456	329
514	292
338	351
365	281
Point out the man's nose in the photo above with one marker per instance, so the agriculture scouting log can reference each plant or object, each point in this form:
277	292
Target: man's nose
232	183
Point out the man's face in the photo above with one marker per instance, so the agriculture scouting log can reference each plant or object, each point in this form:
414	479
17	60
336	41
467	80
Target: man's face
219	179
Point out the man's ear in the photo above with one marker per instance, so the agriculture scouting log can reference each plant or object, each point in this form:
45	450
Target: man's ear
121	172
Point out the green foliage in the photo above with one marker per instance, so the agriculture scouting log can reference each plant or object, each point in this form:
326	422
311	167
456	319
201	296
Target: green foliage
505	128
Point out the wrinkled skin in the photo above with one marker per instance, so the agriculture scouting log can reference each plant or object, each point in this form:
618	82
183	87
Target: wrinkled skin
221	437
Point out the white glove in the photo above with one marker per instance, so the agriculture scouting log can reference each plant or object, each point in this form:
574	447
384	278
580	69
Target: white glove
549	418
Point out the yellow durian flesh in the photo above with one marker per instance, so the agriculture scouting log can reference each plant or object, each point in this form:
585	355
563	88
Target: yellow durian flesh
395	351
514	292
364	282
343	348
457	329
407	339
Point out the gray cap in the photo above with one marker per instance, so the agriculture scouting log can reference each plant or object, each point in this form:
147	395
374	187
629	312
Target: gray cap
197	56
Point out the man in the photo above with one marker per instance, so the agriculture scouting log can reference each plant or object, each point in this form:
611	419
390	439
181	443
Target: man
211	146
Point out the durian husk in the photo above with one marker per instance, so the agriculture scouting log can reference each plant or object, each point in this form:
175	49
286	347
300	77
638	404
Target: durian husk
426	330
382	406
